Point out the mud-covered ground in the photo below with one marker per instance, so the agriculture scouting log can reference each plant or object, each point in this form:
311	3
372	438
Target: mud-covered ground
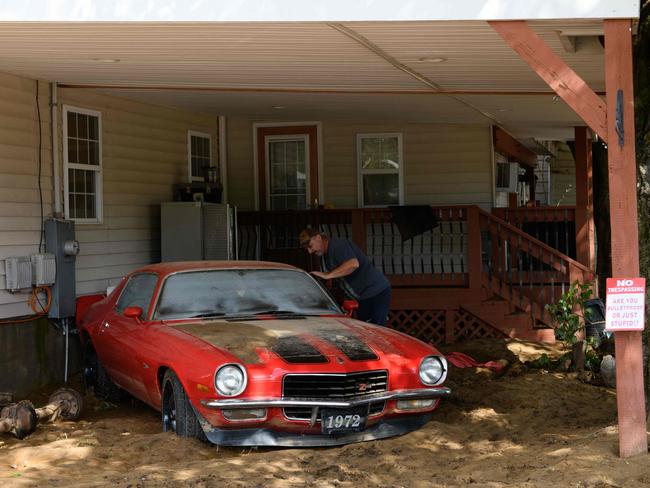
527	428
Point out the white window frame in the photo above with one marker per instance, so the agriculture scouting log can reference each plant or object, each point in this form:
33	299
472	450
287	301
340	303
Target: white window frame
204	135
98	169
267	163
361	171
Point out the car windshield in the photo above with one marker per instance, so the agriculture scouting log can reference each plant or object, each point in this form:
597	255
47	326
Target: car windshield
231	292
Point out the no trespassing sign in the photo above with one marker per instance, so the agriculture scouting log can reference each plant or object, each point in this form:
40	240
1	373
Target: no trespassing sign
625	310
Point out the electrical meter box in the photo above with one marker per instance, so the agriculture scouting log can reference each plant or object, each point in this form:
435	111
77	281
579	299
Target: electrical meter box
60	241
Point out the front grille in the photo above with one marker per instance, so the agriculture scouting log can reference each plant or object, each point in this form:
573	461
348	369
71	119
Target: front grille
304	413
334	386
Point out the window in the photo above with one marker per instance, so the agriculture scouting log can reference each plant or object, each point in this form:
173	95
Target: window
380	169
82	150
138	292
198	154
288	169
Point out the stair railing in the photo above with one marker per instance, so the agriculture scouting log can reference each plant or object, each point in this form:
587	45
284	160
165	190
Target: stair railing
523	270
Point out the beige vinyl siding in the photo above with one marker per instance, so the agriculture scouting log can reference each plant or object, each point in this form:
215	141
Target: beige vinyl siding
241	178
144	152
563	177
19	197
443	164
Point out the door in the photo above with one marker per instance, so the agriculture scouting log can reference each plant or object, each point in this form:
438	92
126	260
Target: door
287	171
120	335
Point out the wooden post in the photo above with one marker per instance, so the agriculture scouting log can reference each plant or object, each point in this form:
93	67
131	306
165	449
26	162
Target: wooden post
450	324
513	200
359	228
623	223
474	263
585	246
530	176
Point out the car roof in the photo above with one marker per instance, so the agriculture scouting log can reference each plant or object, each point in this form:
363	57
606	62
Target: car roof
176	266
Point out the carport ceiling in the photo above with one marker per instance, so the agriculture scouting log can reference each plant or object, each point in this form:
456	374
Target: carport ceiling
457	72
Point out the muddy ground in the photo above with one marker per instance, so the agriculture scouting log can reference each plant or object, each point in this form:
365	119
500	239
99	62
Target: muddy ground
526	428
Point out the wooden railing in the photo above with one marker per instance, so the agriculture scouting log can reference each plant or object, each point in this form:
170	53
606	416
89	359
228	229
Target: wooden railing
435	258
555	226
525	271
468	248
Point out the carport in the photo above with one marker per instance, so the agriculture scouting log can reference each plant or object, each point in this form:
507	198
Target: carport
533	69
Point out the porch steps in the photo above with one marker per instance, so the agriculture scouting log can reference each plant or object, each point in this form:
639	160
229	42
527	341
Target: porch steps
499	314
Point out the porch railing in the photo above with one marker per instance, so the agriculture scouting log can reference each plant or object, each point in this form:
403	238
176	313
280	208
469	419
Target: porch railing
435	258
467	248
555	226
527	272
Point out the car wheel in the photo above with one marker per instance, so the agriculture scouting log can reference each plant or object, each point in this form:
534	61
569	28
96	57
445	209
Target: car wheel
177	413
95	376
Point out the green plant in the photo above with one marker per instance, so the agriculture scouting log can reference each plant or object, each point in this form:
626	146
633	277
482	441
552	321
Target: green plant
569	312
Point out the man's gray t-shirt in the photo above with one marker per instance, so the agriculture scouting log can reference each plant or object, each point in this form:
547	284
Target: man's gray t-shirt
364	282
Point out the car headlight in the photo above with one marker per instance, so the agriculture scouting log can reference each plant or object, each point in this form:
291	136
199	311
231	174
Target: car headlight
433	370
230	380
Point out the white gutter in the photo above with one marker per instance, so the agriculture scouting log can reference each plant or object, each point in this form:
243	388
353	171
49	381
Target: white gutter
55	151
223	155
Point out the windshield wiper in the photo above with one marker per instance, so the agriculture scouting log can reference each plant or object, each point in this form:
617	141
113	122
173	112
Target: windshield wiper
277	312
208	314
256	315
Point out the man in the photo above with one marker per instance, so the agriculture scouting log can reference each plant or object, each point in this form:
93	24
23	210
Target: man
340	258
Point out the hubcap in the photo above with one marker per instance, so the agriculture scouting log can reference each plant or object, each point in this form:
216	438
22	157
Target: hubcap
169	415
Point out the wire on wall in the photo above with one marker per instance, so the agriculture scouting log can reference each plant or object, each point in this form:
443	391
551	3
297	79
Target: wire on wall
40	166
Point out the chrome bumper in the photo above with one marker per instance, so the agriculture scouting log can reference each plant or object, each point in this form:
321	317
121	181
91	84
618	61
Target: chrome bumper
419	394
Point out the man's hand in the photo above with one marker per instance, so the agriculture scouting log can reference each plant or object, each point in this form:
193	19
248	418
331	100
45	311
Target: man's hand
320	274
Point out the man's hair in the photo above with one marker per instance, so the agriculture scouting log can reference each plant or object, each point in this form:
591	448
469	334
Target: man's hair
306	234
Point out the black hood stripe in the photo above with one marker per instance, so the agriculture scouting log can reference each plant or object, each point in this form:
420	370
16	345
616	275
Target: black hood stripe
349	344
294	349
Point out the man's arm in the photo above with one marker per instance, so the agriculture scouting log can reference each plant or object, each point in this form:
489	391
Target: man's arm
346	268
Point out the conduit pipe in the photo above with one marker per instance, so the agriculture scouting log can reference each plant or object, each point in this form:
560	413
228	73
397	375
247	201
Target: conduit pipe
55	151
223	155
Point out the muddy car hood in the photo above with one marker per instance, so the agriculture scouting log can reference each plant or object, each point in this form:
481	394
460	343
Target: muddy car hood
301	341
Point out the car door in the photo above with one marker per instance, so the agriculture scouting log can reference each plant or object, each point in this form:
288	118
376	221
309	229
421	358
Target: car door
118	346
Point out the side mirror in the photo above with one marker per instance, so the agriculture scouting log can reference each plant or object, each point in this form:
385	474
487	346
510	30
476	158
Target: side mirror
133	313
350	306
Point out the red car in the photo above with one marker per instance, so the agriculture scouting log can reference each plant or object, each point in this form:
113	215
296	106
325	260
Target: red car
256	354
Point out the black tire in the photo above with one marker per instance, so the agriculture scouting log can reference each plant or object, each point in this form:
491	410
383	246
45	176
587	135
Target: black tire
95	377
177	413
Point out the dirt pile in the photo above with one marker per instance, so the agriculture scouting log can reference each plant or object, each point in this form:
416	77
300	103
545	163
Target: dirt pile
525	428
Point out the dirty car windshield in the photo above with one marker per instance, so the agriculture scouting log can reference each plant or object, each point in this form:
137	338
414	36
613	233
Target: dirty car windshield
242	291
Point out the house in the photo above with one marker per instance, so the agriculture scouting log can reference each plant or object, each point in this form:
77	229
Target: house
321	114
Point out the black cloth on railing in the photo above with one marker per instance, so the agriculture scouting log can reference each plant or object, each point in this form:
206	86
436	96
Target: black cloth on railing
413	220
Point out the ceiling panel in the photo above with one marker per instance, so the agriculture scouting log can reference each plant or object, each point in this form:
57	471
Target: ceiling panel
299	58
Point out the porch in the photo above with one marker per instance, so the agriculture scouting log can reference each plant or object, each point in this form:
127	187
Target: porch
474	274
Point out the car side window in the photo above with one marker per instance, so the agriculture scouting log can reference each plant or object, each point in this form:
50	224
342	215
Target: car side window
138	292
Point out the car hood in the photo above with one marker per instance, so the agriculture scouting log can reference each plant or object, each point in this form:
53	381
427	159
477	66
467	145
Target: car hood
308	340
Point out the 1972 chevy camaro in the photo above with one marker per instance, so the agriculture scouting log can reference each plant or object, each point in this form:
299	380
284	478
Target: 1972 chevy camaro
256	354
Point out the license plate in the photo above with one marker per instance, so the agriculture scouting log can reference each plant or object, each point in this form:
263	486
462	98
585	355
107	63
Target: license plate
334	421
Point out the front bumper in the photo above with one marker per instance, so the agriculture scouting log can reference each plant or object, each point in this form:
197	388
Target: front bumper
419	394
268	437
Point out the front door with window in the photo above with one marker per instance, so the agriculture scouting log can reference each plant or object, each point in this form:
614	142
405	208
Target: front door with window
287	169
287	158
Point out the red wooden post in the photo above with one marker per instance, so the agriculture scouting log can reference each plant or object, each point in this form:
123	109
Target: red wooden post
450	324
623	221
513	200
359	228
474	248
584	218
